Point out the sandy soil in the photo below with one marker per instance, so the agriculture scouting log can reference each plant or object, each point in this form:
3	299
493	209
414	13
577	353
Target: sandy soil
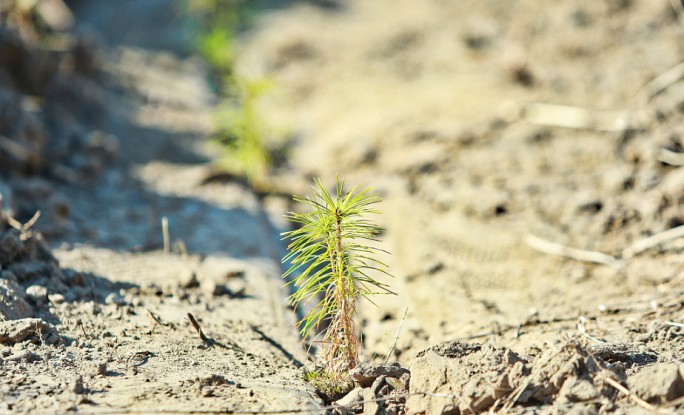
501	137
433	104
104	325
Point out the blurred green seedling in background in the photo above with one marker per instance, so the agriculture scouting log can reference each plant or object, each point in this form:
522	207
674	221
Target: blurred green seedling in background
241	133
247	144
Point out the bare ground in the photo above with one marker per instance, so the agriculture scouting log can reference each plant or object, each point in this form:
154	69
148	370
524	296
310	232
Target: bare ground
438	105
434	104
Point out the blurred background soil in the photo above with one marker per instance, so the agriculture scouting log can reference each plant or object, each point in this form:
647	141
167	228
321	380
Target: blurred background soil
527	153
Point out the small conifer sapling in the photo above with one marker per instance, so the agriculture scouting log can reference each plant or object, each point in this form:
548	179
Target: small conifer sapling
334	263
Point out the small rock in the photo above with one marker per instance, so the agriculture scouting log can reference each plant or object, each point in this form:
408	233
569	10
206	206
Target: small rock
579	390
378	385
215	289
38	294
657	383
396	383
24	356
189	280
370	406
100	368
56	298
352	398
581	409
115	298
234	274
52	338
54	14
472	371
237	288
13	304
366	374
15	331
10	245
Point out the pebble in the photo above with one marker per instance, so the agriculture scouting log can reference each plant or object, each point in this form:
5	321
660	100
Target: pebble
352	398
38	294
365	374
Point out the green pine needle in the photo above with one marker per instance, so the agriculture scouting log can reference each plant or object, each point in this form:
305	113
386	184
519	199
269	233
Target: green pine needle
332	265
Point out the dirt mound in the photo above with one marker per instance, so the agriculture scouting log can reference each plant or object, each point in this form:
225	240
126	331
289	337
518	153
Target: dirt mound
461	378
26	268
172	314
380	389
32	285
51	109
532	181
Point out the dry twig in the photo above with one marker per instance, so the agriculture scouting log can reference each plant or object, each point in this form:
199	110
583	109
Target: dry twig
197	328
675	402
635	398
572	253
26	226
652	241
182	249
596	257
79	323
662	82
165	234
670	157
155	318
567	116
515	395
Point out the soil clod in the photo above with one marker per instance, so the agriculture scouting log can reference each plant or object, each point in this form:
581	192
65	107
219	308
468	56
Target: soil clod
34	329
366	374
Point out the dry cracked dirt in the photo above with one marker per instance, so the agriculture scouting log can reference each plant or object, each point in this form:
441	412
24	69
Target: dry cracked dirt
529	155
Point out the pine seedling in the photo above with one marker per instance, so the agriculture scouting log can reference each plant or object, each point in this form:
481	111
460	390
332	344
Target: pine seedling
242	132
332	265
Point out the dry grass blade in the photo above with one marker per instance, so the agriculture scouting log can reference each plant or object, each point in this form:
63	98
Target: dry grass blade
396	338
635	398
596	257
675	402
566	116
